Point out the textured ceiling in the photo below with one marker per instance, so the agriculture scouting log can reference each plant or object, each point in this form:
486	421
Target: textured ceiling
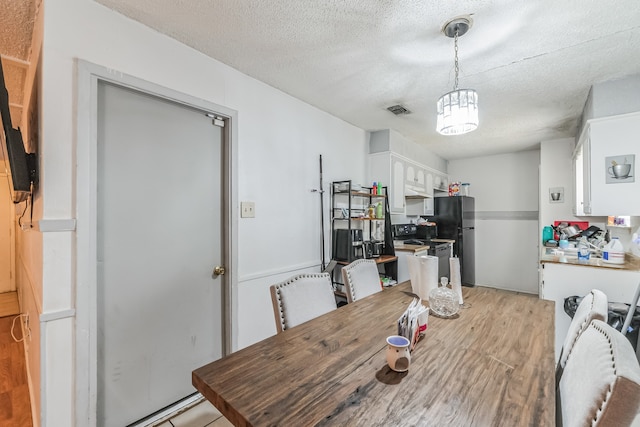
531	62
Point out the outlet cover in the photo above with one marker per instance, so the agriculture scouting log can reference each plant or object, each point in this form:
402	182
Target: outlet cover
247	210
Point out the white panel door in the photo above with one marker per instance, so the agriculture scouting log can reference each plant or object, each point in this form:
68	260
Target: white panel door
158	239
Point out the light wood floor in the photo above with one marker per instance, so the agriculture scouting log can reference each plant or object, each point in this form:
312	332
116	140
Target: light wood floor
15	407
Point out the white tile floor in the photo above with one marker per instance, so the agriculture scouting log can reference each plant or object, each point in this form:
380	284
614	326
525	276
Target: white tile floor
203	414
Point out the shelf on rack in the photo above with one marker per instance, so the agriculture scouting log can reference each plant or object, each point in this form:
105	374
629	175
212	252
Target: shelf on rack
361	194
382	259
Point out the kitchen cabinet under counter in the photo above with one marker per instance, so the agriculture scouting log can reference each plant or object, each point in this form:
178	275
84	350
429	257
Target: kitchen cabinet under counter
563	277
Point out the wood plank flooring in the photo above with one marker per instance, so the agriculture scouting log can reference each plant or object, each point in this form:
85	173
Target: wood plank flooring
15	407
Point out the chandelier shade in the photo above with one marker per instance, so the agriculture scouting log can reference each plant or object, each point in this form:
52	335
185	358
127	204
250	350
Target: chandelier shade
458	112
458	109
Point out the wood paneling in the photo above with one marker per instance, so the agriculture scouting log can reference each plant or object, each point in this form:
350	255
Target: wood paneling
491	365
9	304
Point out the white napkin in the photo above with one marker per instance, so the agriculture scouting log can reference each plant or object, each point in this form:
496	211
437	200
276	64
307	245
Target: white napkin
423	272
456	281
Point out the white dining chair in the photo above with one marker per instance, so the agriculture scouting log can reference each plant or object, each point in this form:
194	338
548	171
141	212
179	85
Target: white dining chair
361	279
594	306
301	298
600	385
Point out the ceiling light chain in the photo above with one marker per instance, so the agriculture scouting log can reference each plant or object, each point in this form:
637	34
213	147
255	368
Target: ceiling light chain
458	109
457	69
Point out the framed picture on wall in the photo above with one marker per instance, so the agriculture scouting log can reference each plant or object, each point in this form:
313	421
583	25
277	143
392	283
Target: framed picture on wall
620	169
556	194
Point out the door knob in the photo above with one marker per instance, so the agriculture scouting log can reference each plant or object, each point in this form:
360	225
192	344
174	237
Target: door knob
218	270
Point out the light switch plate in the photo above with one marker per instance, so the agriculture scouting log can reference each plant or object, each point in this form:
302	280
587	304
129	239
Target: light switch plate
247	210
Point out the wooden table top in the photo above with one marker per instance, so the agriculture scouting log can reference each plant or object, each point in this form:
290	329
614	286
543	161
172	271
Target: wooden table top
493	364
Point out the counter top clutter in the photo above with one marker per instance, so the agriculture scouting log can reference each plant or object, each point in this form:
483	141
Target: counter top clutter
631	263
491	363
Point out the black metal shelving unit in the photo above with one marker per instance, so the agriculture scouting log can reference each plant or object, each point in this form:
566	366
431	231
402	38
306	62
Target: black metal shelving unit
349	211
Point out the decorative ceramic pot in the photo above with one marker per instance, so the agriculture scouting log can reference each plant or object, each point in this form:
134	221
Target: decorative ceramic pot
398	354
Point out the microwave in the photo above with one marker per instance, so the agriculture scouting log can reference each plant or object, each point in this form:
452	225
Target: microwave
426	232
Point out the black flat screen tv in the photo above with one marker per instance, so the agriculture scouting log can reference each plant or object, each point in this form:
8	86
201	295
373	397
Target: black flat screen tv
22	165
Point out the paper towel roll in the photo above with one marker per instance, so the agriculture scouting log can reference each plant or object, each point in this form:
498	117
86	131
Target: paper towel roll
423	273
456	281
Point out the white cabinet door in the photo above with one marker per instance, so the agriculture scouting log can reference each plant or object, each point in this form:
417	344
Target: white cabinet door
410	174
614	140
421	181
415	178
581	177
396	198
429	184
586	176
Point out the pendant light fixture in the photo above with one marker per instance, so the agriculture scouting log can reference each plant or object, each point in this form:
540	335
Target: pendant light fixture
458	109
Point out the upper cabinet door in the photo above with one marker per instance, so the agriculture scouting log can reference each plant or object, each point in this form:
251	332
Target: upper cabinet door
411	174
613	157
396	196
429	184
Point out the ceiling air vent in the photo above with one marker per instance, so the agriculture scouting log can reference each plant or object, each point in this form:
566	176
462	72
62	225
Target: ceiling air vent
398	110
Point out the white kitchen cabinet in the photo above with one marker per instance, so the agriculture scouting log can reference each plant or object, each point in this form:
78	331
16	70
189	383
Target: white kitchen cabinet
604	142
441	182
581	176
409	183
429	183
416	179
560	281
389	167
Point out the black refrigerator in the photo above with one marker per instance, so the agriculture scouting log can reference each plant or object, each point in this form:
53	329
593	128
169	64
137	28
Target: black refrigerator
455	218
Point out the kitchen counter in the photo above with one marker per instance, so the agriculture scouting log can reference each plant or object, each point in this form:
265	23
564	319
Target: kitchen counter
443	241
631	263
410	248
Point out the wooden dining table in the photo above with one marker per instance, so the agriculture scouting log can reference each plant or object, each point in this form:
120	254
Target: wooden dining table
492	364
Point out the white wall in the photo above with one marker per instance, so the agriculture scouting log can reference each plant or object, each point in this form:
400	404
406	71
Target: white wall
556	171
505	188
279	141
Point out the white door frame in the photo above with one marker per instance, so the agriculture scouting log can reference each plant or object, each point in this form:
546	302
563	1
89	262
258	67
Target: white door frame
88	74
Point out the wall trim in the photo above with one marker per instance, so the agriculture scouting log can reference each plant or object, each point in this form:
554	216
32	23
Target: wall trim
57	315
46	225
511	215
278	271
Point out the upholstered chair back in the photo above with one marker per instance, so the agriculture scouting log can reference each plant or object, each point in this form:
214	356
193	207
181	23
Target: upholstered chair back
302	298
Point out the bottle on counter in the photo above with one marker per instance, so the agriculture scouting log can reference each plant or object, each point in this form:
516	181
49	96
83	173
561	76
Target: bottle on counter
583	249
613	252
547	234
